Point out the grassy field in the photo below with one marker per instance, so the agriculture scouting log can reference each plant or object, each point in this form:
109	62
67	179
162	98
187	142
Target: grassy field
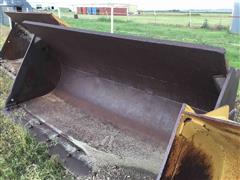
167	18
4	30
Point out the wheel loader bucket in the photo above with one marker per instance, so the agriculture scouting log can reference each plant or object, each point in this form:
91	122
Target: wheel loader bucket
99	67
125	96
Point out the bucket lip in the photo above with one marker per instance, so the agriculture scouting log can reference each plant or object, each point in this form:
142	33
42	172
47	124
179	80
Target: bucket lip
132	38
171	140
29	13
46	17
228	122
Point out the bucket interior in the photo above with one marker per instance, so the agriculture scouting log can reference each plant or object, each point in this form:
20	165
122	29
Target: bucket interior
127	91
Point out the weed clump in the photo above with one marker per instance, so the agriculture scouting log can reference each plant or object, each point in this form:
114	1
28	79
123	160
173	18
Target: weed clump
205	24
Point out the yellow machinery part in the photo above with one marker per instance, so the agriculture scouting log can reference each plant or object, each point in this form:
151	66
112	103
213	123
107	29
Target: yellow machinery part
205	147
60	21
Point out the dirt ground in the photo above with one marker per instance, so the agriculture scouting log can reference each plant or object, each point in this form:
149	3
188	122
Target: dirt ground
119	173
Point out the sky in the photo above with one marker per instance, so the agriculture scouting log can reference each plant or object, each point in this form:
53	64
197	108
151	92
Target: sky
151	4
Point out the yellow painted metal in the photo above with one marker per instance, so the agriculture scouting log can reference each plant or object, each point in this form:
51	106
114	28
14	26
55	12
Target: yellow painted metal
205	147
60	21
220	113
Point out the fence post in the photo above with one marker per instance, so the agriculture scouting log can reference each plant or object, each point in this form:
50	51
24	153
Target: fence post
112	19
59	13
190	18
10	23
155	16
1	23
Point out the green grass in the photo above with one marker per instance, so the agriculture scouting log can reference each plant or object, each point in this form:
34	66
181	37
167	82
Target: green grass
221	38
4	30
21	156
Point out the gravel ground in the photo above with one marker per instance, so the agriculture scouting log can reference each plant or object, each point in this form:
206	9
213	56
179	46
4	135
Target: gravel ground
130	149
119	173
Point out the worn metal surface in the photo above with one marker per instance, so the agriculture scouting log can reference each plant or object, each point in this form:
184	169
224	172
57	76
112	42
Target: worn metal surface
103	145
35	76
173	70
135	148
19	37
132	83
204	147
48	18
16	44
135	83
229	91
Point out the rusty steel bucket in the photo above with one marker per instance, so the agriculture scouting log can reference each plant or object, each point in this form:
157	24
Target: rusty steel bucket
120	94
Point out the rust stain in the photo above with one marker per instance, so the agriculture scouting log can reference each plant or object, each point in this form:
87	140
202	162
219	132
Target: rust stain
187	162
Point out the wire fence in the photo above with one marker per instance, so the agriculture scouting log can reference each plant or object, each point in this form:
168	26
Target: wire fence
217	21
214	21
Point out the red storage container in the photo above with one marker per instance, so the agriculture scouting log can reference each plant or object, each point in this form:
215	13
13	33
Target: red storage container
104	11
84	10
120	11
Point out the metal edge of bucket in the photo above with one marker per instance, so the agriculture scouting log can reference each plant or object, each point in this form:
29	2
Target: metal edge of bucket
229	91
19	17
170	143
